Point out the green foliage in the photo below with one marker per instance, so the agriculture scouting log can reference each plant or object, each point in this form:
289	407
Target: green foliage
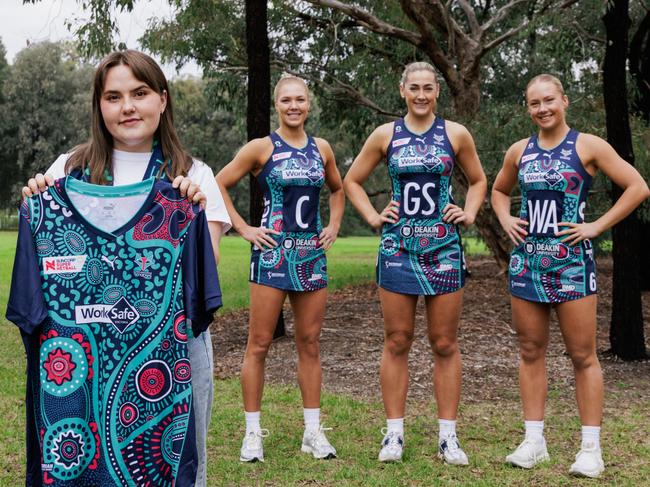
4	69
47	110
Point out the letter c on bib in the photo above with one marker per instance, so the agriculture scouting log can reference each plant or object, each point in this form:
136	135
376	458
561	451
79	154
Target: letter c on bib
299	204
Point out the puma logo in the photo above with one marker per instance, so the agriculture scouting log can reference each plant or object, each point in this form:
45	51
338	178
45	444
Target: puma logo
109	262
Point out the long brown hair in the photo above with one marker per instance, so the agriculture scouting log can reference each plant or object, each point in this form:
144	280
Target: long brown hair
96	154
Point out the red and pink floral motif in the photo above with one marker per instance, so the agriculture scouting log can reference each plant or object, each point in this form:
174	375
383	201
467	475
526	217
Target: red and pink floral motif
59	366
159	220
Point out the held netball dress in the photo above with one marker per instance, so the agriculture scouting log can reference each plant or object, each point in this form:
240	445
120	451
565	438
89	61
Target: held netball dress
554	187
421	254
291	181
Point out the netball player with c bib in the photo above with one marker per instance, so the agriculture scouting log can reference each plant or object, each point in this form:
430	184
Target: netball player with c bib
288	256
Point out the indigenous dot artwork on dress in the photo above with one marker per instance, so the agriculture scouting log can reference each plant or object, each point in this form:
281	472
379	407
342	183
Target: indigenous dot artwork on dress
554	187
421	254
291	181
112	396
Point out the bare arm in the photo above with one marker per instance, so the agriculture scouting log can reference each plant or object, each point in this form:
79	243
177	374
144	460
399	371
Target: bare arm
373	151
215	237
596	152
469	162
503	185
249	159
337	198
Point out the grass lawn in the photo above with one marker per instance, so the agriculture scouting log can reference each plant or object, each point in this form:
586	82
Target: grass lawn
488	430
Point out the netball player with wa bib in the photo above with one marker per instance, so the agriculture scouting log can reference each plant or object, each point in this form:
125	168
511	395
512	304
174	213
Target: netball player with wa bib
420	252
552	264
288	256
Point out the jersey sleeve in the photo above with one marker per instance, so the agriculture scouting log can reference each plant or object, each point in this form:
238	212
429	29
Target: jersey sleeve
201	290
215	209
26	307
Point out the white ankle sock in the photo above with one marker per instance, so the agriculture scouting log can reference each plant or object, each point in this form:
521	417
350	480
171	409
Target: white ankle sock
312	418
535	430
252	421
446	427
395	425
591	436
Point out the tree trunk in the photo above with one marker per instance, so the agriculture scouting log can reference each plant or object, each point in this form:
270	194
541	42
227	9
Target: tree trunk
467	100
626	333
488	225
644	263
640	67
258	112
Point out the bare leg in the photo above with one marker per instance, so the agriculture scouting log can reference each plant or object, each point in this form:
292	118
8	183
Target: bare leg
578	325
531	321
265	305
399	314
443	314
309	312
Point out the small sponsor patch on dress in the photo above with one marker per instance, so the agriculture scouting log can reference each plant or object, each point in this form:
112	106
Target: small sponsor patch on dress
281	155
529	157
400	142
63	264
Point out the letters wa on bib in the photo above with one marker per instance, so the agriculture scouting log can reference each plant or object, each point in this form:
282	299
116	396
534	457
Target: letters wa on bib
104	281
554	187
421	254
291	181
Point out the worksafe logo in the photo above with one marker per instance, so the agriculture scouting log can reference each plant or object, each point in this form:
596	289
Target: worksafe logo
553	177
121	314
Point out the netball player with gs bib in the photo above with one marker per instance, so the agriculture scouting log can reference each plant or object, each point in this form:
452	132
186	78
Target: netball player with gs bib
420	251
288	256
552	264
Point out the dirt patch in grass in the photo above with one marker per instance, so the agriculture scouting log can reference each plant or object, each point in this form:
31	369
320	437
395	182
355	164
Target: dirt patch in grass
352	340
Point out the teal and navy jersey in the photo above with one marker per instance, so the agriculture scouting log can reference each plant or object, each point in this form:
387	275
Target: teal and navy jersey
554	187
104	280
291	181
420	254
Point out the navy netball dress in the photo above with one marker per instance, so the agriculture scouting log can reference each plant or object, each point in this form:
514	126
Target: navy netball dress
291	181
421	254
554	187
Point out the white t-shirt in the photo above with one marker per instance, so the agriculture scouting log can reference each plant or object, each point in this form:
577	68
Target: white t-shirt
129	167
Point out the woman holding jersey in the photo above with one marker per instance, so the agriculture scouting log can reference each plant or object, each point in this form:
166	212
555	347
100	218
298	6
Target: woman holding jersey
133	138
553	263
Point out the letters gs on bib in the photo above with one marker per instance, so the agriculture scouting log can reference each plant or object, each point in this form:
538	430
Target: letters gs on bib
420	195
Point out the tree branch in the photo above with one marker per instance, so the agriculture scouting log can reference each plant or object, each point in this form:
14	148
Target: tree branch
500	14
471	18
340	87
366	19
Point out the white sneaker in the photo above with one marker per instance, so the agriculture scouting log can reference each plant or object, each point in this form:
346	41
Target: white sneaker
589	462
252	449
450	451
392	446
315	442
529	453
